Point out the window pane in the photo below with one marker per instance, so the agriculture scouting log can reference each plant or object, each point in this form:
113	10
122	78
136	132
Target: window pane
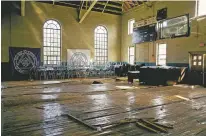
162	62
162	51
52	41
130	26
100	44
131	61
199	57
201	7
131	54
55	49
47	31
161	54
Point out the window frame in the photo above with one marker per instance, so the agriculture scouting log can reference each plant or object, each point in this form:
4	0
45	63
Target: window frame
129	55
129	26
198	60
197	7
58	41
158	54
98	49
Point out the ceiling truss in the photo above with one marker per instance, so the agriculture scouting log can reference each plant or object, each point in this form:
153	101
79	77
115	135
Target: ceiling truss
103	6
87	12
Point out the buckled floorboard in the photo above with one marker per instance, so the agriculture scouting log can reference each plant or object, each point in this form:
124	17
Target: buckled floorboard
38	109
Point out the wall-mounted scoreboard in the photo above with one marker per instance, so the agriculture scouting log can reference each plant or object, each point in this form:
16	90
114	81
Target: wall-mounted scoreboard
144	31
144	34
150	30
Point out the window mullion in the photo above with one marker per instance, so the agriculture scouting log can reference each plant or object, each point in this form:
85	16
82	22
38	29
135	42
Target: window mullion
51	42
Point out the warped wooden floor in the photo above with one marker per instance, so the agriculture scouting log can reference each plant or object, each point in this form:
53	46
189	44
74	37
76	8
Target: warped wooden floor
36	108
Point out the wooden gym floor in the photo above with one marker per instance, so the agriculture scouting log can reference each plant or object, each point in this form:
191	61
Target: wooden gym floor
40	108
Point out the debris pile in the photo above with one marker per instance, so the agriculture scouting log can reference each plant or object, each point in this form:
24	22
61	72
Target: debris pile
149	124
97	82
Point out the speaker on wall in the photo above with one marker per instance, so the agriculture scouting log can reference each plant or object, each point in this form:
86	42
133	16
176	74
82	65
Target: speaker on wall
162	14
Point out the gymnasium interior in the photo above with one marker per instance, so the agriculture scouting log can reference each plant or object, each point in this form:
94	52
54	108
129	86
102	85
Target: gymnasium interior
103	68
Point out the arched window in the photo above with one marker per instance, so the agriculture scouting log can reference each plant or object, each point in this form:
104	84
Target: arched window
100	45
52	42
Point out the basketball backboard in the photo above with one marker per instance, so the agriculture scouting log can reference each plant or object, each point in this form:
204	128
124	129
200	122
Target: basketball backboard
174	27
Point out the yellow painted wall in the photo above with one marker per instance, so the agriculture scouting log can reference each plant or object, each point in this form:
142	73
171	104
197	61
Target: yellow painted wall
27	31
178	48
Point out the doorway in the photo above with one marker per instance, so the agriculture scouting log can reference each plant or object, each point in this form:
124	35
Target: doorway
161	52
198	65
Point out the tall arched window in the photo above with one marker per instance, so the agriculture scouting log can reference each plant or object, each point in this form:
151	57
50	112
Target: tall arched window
52	42
100	44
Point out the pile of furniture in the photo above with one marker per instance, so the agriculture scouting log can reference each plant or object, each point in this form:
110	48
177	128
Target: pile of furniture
159	75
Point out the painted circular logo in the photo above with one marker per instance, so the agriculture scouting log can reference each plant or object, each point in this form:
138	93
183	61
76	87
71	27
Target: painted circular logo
24	61
78	59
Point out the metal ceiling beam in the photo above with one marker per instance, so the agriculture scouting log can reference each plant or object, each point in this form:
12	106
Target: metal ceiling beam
85	7
66	3
23	8
80	9
127	5
142	5
125	8
110	5
87	12
119	2
86	4
131	2
135	2
105	6
110	10
82	4
139	2
122	7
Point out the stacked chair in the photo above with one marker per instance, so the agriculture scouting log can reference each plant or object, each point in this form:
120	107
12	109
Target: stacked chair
70	70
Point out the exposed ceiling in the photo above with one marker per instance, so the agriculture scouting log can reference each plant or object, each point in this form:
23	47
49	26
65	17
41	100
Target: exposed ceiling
106	6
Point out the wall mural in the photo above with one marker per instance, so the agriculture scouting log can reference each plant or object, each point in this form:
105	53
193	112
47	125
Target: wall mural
78	57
